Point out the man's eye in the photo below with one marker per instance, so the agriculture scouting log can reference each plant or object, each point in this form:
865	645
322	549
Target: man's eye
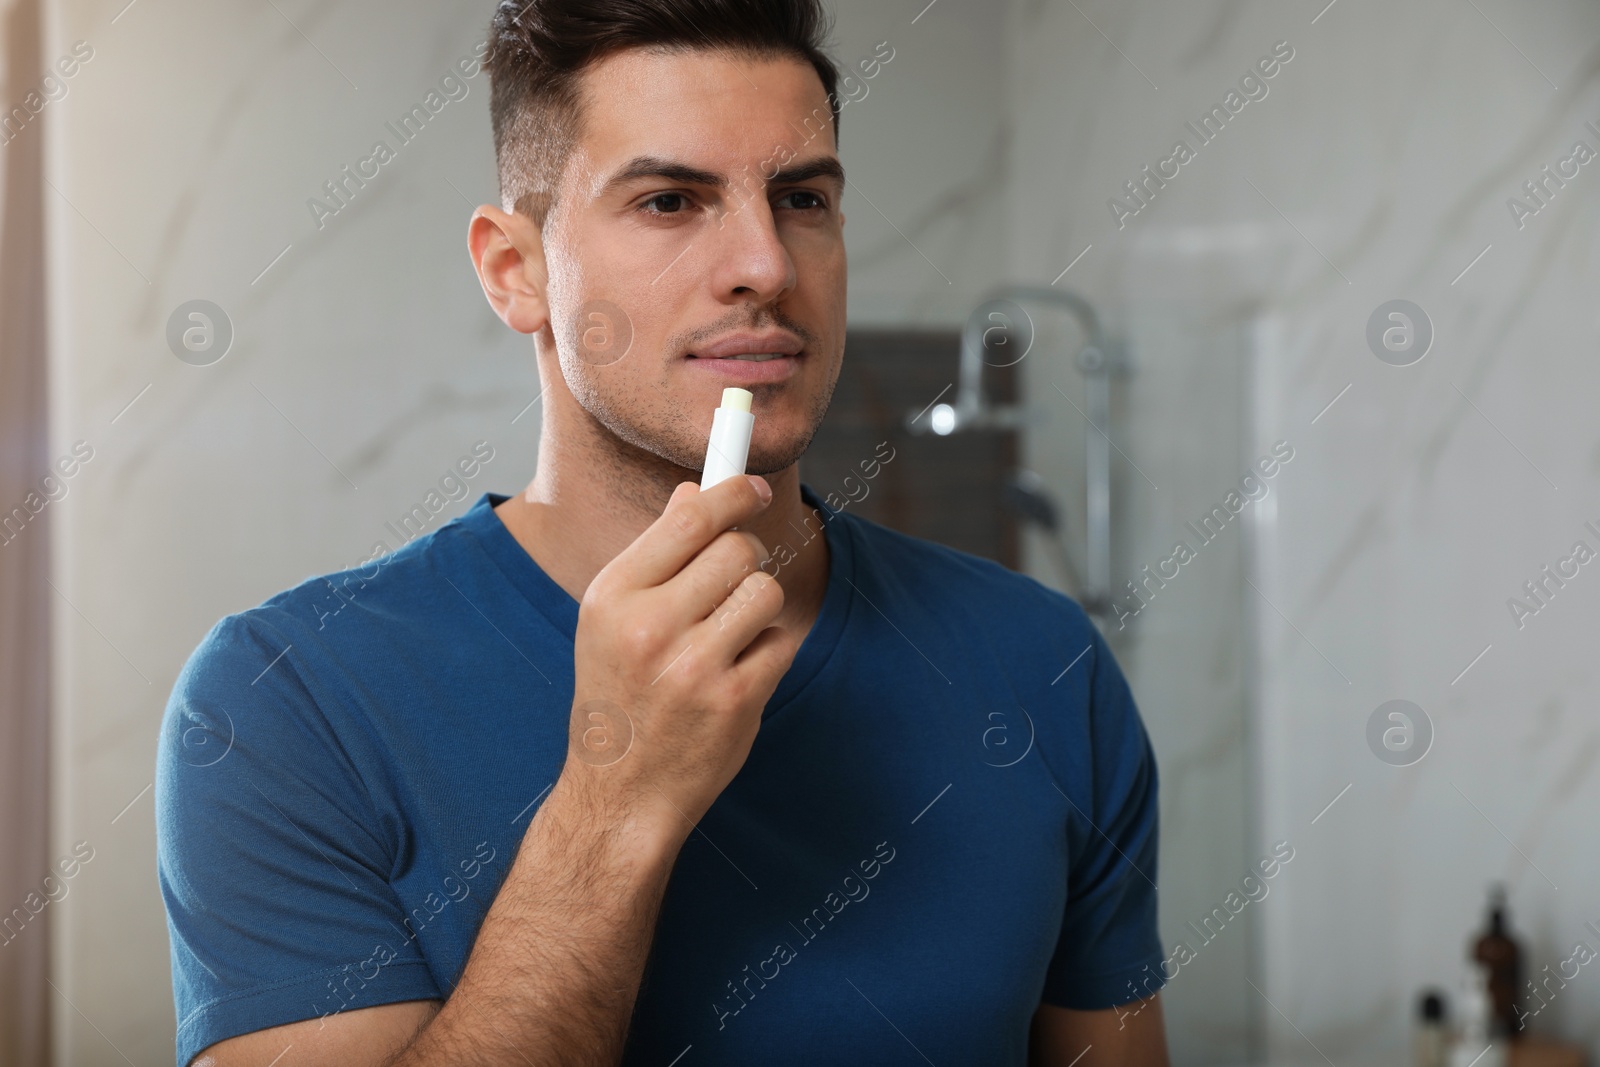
664	204
808	201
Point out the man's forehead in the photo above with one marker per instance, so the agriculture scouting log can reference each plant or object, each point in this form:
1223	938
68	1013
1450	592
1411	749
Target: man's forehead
713	110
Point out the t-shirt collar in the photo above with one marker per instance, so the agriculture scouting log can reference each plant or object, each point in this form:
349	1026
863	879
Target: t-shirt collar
558	606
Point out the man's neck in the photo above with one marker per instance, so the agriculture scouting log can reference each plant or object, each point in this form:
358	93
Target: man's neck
577	515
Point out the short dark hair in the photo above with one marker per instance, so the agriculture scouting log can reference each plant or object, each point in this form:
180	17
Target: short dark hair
539	48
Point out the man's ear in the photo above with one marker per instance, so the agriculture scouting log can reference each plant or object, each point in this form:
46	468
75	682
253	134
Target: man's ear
508	252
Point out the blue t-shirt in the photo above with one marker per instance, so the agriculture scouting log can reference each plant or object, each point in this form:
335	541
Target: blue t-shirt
947	817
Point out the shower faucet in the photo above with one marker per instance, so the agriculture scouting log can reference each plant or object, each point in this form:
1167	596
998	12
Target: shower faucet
1096	360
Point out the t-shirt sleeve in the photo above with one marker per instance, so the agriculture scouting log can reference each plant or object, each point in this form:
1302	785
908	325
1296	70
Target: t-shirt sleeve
1109	951
273	864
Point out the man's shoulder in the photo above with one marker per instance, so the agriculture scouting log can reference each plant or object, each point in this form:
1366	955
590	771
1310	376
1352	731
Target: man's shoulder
333	613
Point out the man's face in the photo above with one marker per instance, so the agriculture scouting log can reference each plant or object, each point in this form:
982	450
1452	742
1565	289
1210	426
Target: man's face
699	212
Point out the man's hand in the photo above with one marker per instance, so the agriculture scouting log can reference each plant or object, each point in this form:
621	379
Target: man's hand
675	656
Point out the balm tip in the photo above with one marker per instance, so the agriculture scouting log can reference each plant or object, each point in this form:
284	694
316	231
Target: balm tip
736	398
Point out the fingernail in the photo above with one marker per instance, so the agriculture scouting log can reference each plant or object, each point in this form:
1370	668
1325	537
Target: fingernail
763	490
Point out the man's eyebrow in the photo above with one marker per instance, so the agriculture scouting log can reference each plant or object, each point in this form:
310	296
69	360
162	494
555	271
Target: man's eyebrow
657	167
673	170
826	167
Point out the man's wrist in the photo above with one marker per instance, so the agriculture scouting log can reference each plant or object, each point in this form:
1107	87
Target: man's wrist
643	833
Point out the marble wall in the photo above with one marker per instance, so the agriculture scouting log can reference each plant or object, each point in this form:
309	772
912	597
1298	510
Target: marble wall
181	166
1377	165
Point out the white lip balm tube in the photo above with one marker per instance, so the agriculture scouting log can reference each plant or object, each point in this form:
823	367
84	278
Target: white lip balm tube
729	446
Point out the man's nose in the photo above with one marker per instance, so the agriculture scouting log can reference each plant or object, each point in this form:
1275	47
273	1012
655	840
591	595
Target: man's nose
750	255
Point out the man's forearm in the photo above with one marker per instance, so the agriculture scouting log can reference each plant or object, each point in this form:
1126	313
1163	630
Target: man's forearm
555	970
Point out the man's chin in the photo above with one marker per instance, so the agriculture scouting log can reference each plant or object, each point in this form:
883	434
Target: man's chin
778	444
767	461
770	461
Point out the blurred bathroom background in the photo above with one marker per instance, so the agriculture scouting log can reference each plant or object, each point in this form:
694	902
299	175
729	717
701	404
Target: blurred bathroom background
1439	459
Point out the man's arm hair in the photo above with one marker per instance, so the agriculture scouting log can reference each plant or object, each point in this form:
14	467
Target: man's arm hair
553	973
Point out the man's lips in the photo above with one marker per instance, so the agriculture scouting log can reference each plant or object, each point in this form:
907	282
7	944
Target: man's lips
777	342
746	371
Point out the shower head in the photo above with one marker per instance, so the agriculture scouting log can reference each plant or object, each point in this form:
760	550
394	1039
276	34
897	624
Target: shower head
1001	326
1027	495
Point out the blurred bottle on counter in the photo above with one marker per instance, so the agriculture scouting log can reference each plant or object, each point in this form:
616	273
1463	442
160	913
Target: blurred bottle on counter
1477	1044
1500	954
1431	1048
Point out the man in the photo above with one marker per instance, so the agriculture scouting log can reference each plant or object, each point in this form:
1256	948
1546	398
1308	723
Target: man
620	771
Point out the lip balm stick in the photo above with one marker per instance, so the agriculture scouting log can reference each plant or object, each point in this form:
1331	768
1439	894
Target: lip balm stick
729	446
